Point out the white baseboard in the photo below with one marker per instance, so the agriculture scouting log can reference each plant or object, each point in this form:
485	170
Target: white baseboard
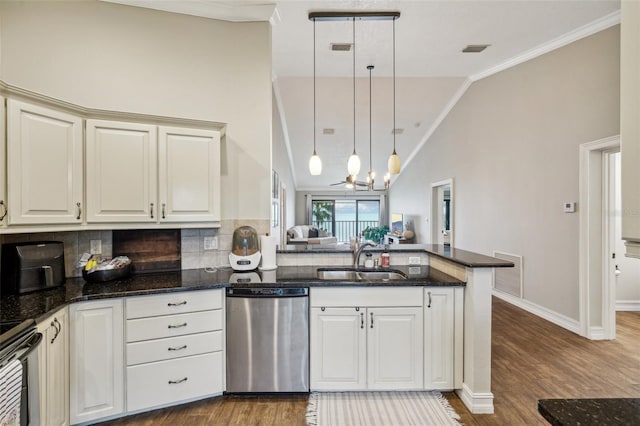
596	333
477	403
552	316
628	305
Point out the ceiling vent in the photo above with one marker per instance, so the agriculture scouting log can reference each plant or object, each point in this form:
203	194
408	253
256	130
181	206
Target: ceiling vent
341	47
475	48
328	131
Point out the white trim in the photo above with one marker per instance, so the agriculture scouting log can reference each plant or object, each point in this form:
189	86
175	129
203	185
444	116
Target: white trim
633	249
435	210
597	333
590	226
285	129
477	403
608	246
628	305
544	313
584	31
436	123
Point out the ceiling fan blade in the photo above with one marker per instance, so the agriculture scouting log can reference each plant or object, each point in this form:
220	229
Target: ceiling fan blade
337	183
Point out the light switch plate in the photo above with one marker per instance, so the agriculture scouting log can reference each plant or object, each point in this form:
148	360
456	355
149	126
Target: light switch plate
569	207
414	260
210	243
96	247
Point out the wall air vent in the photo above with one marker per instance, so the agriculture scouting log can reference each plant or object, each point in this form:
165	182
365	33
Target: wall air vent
475	48
341	47
508	280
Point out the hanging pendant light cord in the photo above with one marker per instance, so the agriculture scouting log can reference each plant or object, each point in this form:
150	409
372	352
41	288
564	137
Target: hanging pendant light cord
394	86
370	67
314	87
354	85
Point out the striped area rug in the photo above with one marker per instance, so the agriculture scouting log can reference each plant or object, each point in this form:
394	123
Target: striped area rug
380	409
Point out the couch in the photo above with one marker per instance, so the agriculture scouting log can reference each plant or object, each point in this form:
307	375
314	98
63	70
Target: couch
307	234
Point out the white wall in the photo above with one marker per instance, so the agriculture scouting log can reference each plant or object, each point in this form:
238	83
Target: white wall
280	160
114	57
511	146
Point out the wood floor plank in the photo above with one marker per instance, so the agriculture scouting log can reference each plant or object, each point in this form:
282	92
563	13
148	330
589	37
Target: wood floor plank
531	359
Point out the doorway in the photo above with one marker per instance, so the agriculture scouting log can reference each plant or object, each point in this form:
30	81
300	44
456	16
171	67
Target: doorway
595	277
442	212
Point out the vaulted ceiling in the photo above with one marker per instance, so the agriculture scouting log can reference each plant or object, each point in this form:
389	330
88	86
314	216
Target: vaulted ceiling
431	70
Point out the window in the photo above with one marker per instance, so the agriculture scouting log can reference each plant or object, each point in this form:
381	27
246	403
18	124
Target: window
345	218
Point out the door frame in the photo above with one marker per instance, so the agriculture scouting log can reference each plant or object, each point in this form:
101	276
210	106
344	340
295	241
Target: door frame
436	212
594	280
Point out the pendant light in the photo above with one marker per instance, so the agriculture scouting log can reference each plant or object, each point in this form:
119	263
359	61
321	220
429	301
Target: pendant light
371	175
353	165
315	164
394	160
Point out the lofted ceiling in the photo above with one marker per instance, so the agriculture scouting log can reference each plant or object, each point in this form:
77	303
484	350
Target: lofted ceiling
431	71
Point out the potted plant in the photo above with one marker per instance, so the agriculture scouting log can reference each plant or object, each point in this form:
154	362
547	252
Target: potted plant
376	233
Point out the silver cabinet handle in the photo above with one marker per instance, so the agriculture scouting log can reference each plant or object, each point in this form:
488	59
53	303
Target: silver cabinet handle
361	319
4	207
371	319
79	211
184	302
429	294
151	210
163	208
178	348
175	382
184	324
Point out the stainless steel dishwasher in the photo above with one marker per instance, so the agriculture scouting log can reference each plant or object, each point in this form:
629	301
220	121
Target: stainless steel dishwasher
267	340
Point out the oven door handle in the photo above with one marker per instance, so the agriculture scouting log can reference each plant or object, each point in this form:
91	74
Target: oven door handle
29	346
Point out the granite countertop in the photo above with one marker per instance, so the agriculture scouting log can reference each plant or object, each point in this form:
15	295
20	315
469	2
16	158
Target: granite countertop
461	257
599	411
38	305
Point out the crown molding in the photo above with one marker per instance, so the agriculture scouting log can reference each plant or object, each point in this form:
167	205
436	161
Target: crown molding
575	35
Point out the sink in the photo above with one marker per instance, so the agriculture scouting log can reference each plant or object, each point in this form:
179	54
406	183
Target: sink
360	275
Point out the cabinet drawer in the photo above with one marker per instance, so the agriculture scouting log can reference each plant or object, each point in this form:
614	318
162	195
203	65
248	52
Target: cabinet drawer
173	347
365	297
165	382
173	325
174	303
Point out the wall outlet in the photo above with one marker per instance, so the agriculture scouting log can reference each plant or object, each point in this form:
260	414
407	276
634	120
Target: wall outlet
96	247
210	243
414	260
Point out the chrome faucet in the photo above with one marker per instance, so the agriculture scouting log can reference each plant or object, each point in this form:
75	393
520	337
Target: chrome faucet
357	251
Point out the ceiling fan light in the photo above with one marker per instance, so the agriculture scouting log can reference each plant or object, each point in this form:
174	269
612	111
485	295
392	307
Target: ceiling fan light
393	164
315	165
353	165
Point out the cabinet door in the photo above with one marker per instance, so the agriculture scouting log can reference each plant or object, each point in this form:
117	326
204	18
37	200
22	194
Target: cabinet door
3	162
97	352
438	338
121	172
338	349
189	172
394	352
44	165
53	371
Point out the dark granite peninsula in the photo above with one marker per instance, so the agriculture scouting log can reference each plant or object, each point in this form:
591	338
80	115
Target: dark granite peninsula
586	412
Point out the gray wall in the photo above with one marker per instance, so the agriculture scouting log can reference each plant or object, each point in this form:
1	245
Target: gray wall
511	146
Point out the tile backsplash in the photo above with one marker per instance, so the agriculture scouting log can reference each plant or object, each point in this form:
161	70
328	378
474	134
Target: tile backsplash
192	244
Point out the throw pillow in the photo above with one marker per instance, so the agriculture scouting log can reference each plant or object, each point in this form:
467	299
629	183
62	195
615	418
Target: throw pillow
313	232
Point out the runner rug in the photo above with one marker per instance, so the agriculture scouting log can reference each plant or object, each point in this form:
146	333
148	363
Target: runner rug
380	409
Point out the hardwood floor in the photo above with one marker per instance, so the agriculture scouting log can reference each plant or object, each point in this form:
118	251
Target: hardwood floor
532	359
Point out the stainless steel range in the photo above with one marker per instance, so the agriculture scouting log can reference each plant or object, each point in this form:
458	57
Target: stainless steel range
267	340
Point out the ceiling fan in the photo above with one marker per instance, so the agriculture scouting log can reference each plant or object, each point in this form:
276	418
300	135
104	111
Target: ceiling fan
349	181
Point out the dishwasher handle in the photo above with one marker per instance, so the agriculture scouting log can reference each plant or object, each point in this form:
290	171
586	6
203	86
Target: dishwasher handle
268	292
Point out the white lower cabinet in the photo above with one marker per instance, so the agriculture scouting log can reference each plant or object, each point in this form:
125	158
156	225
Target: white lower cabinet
174	348
374	342
53	371
443	338
97	360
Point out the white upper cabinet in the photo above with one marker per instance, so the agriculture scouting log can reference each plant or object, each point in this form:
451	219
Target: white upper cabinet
121	172
630	124
44	165
189	173
3	176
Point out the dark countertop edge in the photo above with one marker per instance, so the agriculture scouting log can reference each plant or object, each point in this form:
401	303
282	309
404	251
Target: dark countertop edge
465	258
577	411
33	305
